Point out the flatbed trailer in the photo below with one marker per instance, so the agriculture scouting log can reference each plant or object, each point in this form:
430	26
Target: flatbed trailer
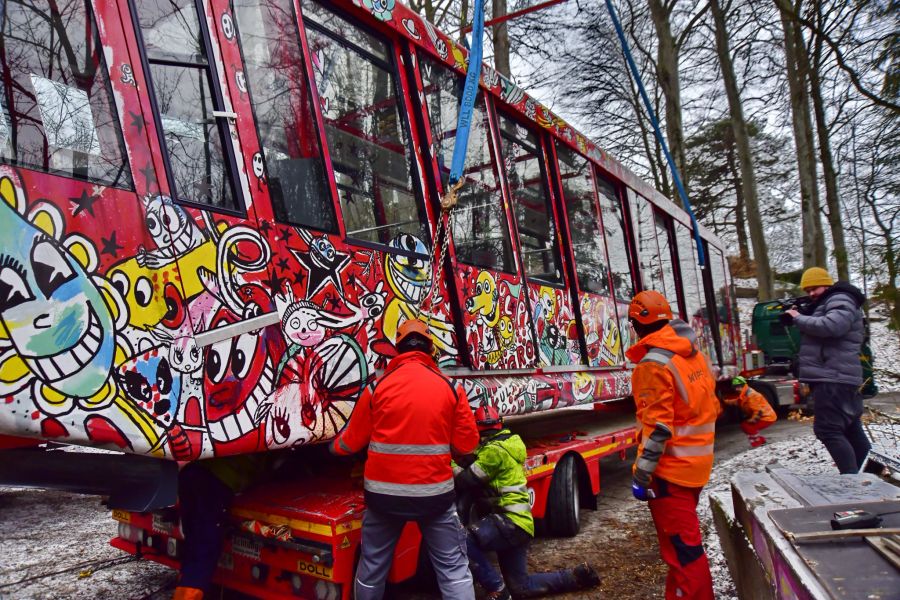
300	538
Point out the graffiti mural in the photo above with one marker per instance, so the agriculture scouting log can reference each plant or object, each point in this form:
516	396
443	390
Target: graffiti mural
188	287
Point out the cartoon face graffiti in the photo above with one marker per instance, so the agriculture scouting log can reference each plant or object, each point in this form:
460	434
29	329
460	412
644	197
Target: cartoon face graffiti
505	332
547	300
484	302
238	379
301	325
612	343
55	316
151	382
407	276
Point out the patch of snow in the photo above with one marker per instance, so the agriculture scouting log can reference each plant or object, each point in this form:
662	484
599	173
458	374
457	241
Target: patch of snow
885	346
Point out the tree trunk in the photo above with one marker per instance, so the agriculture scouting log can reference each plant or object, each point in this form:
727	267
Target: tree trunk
463	19
813	238
766	290
832	200
501	39
740	223
667	73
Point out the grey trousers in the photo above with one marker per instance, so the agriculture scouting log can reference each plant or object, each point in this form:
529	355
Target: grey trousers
445	538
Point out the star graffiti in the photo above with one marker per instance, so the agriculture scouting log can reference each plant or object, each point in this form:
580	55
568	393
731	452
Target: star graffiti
323	264
110	245
274	282
85	202
283	264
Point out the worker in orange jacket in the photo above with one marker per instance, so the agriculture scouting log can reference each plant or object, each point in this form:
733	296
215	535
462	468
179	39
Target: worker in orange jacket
756	412
411	421
674	392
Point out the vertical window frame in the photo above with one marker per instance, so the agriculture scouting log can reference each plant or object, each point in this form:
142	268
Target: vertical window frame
392	66
222	124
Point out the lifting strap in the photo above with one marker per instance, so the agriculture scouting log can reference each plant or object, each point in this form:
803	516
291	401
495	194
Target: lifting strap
455	182
701	258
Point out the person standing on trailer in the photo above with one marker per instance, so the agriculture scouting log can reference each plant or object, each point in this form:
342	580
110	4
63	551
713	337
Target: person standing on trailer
411	420
674	392
756	412
498	472
832	336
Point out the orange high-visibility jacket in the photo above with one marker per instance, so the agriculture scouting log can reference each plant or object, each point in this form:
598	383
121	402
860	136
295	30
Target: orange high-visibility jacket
755	407
411	421
674	390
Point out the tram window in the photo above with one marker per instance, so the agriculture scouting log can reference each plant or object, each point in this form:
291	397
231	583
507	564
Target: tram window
665	256
693	289
523	164
616	244
185	98
57	112
283	107
365	128
723	308
584	221
648	249
480	228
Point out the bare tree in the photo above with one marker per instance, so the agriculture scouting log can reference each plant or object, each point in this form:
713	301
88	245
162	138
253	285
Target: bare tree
813	238
500	36
749	193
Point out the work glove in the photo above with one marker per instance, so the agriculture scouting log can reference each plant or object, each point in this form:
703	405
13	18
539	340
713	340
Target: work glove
640	486
786	319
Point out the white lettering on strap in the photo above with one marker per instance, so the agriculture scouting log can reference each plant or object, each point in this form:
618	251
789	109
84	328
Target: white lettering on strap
705	450
410	449
418	490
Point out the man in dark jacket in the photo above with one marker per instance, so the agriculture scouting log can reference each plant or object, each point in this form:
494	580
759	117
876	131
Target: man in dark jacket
833	334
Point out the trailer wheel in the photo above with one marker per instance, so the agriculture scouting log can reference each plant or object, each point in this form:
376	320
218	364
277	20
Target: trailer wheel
564	501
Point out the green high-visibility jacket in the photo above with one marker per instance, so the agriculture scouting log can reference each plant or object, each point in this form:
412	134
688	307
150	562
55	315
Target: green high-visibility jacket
498	466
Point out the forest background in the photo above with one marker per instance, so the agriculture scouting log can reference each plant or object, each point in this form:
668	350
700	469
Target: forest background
783	117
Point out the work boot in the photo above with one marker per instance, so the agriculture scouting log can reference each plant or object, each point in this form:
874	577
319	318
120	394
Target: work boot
757	441
501	594
187	593
586	576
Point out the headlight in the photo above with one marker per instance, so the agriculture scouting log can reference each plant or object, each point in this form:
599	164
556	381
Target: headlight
129	533
326	590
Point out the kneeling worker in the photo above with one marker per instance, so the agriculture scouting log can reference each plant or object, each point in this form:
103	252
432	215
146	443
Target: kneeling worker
756	412
498	472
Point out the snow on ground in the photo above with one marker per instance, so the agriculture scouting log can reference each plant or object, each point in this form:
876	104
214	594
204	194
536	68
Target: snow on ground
885	346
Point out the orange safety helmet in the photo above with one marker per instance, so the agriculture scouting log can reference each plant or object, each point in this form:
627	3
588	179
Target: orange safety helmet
410	327
649	307
488	418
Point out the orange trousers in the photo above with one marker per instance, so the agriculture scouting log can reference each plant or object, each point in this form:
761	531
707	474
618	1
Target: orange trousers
674	512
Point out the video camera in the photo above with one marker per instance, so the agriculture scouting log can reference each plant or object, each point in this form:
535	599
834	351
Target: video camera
803	305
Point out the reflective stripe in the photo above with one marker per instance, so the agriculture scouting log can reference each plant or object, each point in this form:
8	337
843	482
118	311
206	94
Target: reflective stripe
695	429
410	449
653	445
408	489
478	472
648	466
705	450
658	355
679	385
509	489
457	470
516	508
344	445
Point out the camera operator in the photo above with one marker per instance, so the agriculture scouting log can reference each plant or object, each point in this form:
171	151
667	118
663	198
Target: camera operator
833	333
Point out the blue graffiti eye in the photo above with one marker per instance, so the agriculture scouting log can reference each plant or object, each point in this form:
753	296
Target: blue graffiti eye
13	289
51	269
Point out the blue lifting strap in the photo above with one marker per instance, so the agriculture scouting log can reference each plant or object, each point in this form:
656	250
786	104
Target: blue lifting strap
701	257
470	91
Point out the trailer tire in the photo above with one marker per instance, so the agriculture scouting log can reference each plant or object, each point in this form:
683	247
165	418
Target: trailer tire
564	500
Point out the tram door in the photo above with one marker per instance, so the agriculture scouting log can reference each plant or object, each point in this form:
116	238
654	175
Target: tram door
551	304
491	292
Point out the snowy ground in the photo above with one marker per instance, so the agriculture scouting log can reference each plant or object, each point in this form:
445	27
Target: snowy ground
55	545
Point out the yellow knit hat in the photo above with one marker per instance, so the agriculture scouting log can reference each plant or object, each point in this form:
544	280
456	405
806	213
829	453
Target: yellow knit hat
814	277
